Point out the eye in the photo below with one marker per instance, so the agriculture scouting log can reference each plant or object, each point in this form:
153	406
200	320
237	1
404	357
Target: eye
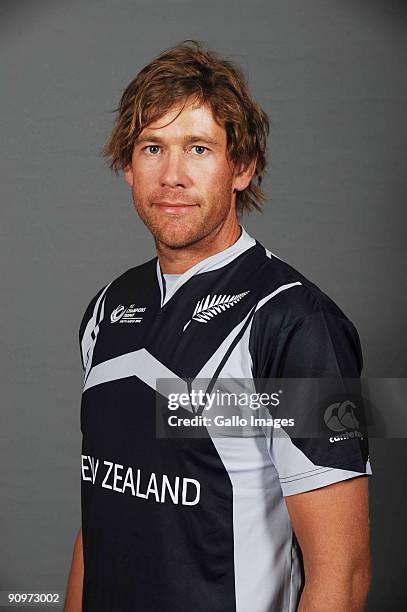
200	149
152	147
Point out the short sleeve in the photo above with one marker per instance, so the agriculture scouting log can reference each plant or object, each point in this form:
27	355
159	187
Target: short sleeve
318	345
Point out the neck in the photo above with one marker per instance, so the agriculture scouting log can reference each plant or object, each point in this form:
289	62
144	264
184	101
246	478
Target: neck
178	261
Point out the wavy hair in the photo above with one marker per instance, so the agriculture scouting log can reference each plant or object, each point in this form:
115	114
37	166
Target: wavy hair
185	72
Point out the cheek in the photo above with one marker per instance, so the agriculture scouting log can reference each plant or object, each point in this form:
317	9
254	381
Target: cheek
221	181
213	178
143	183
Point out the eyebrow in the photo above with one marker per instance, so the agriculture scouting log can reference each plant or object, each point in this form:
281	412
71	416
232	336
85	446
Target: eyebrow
186	139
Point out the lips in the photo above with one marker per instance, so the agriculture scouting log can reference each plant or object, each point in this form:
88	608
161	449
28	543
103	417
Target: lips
174	209
170	204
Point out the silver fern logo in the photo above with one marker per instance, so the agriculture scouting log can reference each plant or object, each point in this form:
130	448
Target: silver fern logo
209	307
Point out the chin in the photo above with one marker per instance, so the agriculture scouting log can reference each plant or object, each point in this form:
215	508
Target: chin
177	236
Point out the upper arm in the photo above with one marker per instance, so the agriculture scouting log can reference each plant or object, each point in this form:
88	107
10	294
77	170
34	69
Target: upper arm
332	524
332	528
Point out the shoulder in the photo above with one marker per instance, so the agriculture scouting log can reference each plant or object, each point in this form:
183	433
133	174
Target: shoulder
300	327
288	296
116	289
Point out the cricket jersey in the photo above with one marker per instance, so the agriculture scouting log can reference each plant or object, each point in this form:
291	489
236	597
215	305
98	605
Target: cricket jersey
175	524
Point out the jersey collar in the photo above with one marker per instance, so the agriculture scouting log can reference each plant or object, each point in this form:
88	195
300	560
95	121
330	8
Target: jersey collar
213	262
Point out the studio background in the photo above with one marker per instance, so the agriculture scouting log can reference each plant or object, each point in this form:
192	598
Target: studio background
331	76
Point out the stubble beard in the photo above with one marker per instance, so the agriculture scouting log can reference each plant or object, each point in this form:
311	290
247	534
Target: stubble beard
178	232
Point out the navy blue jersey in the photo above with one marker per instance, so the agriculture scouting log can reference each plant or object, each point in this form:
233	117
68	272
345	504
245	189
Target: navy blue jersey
176	524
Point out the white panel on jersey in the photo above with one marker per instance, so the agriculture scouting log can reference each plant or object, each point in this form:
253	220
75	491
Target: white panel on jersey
275	292
138	363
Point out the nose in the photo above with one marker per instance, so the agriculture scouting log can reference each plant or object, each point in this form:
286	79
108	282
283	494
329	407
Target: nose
174	172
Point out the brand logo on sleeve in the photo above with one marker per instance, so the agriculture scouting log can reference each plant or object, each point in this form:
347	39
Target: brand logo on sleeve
131	314
210	306
341	418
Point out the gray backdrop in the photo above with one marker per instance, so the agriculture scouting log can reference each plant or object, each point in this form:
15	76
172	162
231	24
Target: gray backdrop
331	75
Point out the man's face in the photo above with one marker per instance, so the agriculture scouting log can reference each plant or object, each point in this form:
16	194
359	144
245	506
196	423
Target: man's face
182	182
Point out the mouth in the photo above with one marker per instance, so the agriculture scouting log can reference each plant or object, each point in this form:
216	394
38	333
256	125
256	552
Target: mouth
174	207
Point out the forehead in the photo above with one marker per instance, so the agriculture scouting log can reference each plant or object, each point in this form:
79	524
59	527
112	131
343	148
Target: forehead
194	119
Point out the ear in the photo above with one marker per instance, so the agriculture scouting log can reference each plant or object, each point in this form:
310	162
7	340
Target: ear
243	175
128	175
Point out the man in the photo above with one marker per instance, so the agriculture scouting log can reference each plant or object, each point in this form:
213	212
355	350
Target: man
249	524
